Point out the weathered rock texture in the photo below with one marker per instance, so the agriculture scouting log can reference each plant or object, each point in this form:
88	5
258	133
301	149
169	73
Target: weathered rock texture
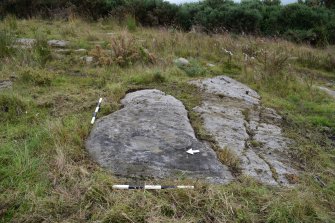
26	42
232	114
328	91
149	137
5	84
181	61
58	43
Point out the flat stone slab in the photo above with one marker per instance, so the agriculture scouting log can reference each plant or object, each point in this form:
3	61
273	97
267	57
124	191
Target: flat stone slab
4	84
58	43
328	91
232	114
149	138
25	41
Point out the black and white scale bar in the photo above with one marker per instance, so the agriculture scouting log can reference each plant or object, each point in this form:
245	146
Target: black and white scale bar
96	111
149	187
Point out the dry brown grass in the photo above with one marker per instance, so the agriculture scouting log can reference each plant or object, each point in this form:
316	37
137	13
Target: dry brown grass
49	177
124	50
230	159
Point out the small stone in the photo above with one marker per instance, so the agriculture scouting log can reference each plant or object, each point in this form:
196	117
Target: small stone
80	51
26	42
63	51
87	59
5	84
181	61
210	65
58	43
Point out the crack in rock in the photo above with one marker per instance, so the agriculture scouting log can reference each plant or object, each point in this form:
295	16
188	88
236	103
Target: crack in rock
233	115
149	138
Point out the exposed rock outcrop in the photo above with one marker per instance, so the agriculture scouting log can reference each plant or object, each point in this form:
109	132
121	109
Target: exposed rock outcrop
149	137
232	114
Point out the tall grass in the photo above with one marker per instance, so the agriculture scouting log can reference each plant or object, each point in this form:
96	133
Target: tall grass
46	174
11	108
10	22
131	23
42	51
6	43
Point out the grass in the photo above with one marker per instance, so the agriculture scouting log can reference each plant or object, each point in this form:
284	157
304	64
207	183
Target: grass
47	175
6	42
230	159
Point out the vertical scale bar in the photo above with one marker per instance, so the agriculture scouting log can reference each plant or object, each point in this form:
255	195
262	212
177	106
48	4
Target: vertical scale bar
96	111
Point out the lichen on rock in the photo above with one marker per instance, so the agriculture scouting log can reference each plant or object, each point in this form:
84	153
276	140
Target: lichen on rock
233	115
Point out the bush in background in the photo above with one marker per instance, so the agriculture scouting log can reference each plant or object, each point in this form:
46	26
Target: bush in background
307	21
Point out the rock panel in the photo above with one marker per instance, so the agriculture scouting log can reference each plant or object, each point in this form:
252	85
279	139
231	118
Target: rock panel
149	137
232	114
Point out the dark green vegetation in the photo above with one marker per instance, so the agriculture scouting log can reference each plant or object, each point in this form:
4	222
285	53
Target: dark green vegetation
310	21
46	174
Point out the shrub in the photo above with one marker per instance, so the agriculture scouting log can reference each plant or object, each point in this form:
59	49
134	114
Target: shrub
312	60
42	50
125	51
11	107
264	17
158	77
146	56
193	70
36	77
11	22
273	62
229	158
147	78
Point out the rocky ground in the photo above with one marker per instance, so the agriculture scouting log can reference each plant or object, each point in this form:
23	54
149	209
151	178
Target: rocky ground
257	144
233	115
150	135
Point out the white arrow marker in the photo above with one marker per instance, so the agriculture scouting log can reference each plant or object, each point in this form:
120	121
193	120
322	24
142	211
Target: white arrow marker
191	151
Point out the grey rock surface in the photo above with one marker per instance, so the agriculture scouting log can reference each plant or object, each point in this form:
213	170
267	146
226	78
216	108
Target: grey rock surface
24	43
149	137
87	59
81	51
58	43
63	51
181	61
328	91
232	114
5	84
